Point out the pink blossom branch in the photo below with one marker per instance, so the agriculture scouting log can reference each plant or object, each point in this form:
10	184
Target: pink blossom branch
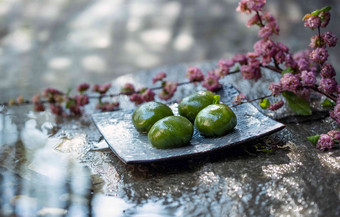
101	96
313	87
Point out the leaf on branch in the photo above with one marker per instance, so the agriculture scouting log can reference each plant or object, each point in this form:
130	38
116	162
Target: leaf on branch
316	12
325	9
299	105
287	70
216	99
327	103
264	103
314	139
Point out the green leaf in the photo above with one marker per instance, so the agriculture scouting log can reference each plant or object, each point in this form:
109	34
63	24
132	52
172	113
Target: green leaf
287	70
325	9
314	139
216	99
316	12
299	105
328	103
264	103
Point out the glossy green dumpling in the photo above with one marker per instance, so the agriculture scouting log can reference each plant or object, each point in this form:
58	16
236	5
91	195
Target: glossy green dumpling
194	103
171	132
215	120
149	113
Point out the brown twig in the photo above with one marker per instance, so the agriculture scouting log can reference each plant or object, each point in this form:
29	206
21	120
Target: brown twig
260	19
28	102
252	100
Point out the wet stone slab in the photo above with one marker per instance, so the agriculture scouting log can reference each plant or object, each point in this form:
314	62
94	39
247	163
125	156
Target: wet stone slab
48	165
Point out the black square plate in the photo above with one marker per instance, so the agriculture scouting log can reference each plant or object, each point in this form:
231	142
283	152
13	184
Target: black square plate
134	148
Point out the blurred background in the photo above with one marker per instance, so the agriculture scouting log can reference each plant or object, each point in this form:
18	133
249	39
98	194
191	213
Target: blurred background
61	43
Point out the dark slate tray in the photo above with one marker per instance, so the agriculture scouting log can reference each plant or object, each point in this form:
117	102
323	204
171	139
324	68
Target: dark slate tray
134	148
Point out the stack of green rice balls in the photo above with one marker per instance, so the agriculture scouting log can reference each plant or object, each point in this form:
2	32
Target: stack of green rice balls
211	119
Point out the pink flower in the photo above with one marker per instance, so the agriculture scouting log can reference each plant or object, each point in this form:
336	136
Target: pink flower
327	71
325	17
20	99
53	95
148	95
240	58
136	98
159	77
252	70
290	82
269	29
239	98
102	89
254	20
252	55
312	22
275	88
56	109
39	107
290	62
243	7
335	134
335	113
194	74
325	142
250	73
75	110
303	64
82	100
330	39
281	46
106	106
51	91
211	82
36	98
83	87
225	66
328	85
95	87
302	54
128	89
256	5
219	72
319	55
276	106
168	90
316	41
308	78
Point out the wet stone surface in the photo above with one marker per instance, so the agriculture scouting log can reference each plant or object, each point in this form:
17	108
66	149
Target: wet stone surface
48	166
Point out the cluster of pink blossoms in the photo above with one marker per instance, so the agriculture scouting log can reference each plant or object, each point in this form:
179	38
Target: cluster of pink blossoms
327	141
140	96
168	88
62	104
